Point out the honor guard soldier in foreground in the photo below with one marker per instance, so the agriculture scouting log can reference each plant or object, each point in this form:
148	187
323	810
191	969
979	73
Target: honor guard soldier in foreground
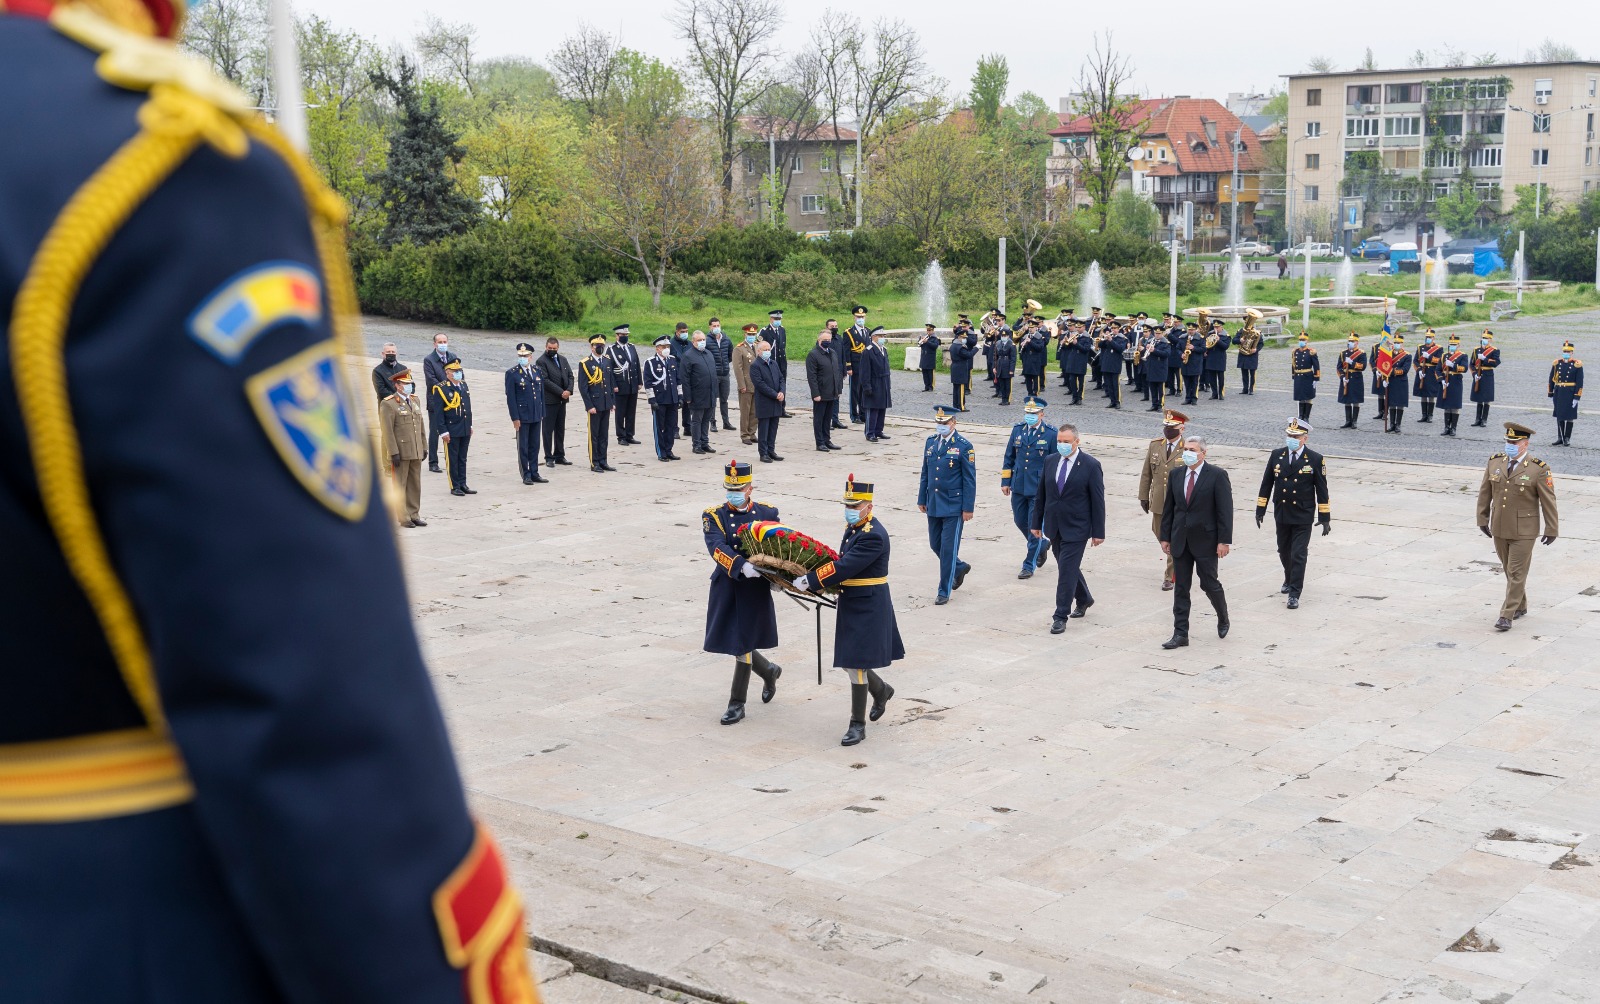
865	635
1566	390
665	391
1452	373
1397	389
1306	369
1485	360
1162	458
1352	390
405	443
223	771
595	383
1031	443
739	614
450	404
1517	489
1426	384
947	491
1296	481
525	401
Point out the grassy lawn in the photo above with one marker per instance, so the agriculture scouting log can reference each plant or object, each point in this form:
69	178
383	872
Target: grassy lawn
898	310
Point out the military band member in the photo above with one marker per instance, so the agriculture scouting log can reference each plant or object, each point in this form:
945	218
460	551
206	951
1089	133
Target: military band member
1192	360
1452	372
405	443
947	491
1063	336
1112	343
224	775
963	349
1162	458
625	377
1485	359
1296	481
1034	354
1566	390
1425	380
1397	389
855	342
739	615
1517	489
450	404
1003	366
1352	388
664	389
865	636
1177	338
1249	359
1029	446
1306	370
1080	347
1142	333
1216	367
928	355
594	384
1157	364
525	402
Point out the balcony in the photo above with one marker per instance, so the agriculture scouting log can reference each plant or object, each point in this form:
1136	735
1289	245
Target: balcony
1179	198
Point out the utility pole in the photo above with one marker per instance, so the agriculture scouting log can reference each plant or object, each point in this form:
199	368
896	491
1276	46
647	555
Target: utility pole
772	177
1522	262
860	169
1597	259
1172	273
1002	297
1233	212
1305	306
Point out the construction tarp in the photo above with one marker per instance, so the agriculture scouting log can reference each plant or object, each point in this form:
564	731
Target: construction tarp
1486	258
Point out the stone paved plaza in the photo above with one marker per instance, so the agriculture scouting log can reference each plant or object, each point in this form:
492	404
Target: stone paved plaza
1326	806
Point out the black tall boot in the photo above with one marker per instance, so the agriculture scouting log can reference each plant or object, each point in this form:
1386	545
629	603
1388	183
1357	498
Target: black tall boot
858	715
769	673
741	689
1427	413
1395	415
1449	425
881	692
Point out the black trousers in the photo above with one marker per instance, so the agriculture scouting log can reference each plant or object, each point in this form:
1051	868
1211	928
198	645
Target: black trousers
875	422
1184	565
723	383
1247	381
434	428
555	431
688	424
1070	584
456	454
767	436
1113	388
1174	380
528	449
1217	383
1294	540
1189	387
700	422
1002	389
855	397
927	379
822	413
1075	387
1127	369
599	436
1031	383
958	394
627	408
664	417
1158	394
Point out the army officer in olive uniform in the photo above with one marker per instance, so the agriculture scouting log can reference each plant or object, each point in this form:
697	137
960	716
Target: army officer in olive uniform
1517	489
1161	458
865	636
405	443
739	614
1296	480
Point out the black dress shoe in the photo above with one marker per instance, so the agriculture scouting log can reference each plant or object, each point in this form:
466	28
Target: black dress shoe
1284	588
595	468
673	456
607	467
822	449
1083	608
563	461
663	458
1518	615
435	469
726	427
854	734
1502	624
961	573
883	435
1058	626
769	687
1294	602
773	456
941	600
527	481
840	425
457	491
1222	628
417	522
1176	641
1026	573
407	524
468	491
834	446
879	706
735	713
707	449
872	439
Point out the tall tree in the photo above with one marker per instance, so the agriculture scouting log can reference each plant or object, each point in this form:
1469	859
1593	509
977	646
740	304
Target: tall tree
1105	100
730	44
782	121
936	184
584	64
989	83
422	200
343	125
1019	145
522	160
1551	51
231	35
448	52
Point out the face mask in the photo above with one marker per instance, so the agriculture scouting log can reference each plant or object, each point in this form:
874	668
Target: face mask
1483	341
766	355
946	431
408	389
852	516
1427	339
622	339
1065	449
1566	355
700	344
1031	419
525	360
736	499
824	339
749	339
1291	443
551	352
663	352
444	348
457	376
1190	458
683	336
716	329
1350	345
388	357
1171	432
1511	451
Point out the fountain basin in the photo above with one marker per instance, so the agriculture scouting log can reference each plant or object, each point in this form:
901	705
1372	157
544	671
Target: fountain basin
1528	285
1473	295
1350	304
1236	315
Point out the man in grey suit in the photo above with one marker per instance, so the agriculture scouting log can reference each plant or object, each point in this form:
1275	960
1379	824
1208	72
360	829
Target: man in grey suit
1197	531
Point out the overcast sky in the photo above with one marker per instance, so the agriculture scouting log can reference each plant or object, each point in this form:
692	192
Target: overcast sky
1177	48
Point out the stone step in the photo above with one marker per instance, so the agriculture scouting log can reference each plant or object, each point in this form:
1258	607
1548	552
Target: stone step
640	911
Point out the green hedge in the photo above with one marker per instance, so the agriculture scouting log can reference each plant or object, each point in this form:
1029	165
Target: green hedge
510	277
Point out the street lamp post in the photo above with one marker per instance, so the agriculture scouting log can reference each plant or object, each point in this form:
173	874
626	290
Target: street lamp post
1288	195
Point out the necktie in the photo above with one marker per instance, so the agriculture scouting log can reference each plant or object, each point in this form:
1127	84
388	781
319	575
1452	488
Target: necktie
1061	475
1188	491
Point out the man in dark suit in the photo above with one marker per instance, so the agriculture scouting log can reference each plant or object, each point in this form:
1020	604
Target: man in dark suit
556	373
825	380
1070	509
767	380
1197	531
433	374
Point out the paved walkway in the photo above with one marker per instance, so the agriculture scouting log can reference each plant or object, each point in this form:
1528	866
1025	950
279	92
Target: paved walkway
1319	808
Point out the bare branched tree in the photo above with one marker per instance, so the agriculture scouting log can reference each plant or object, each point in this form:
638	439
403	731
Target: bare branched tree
446	51
730	43
1551	51
1320	64
1106	100
585	65
790	114
231	35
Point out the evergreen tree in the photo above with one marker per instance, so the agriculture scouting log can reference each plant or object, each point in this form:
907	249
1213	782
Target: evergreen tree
421	199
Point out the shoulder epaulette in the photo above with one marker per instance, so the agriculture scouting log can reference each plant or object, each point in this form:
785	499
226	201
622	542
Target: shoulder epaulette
711	510
1541	463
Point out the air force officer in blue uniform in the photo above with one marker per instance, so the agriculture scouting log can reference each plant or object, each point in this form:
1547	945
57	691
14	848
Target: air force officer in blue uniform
947	493
1032	443
525	401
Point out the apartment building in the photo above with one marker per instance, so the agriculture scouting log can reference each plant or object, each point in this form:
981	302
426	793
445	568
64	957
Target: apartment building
1434	129
811	164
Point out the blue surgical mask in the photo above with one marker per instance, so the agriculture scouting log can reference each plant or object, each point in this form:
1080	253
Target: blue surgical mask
852	516
1566	355
736	499
749	339
1483	341
766	355
1291	443
1031	419
946	431
700	343
1190	458
1511	451
1065	449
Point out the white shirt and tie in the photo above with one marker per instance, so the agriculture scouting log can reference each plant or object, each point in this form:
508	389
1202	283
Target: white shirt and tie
1189	479
1064	470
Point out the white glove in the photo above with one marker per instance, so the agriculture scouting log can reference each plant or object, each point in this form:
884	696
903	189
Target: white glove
803	583
749	571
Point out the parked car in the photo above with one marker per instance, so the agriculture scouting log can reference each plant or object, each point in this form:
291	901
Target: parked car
1464	258
1167	247
1318	250
1461	245
1372	247
1245	249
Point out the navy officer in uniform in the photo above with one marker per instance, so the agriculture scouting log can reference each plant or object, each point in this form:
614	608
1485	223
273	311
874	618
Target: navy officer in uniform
595	384
201	800
947	491
525	400
661	384
624	359
739	614
1566	390
1032	442
1296	482
451	405
865	636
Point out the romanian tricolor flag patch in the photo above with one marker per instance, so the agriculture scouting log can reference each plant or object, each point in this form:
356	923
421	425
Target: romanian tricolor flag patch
254	301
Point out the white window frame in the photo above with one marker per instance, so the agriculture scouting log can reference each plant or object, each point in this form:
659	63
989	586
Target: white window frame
1541	122
1541	156
814	202
1313	129
1487	156
1359	128
1392	125
797	164
1445	158
1543	87
1312	192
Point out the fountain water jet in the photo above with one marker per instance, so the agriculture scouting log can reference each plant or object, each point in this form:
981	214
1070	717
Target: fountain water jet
1344	281
1232	309
1092	291
933	294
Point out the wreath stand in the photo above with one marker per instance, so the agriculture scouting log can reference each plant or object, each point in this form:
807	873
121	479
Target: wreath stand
816	601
